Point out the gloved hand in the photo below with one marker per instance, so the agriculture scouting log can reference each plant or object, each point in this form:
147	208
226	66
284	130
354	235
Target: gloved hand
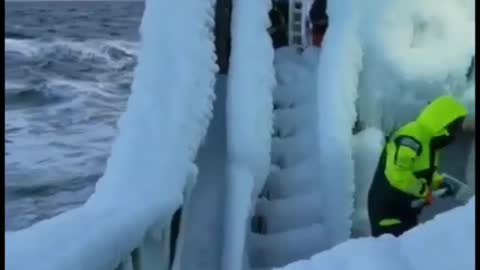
451	186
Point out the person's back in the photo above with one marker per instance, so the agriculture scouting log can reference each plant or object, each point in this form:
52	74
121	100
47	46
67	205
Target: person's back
407	169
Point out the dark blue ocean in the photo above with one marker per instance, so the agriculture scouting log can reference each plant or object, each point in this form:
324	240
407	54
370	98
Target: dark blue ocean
68	70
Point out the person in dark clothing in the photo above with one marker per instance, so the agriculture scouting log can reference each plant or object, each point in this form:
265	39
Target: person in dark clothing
279	19
319	19
407	169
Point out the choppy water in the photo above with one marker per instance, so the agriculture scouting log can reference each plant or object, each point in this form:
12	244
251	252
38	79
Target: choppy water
68	69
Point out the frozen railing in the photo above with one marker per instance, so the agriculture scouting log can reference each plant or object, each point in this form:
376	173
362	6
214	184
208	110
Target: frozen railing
249	116
125	224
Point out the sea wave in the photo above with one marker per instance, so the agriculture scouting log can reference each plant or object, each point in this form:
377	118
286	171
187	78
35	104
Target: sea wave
113	53
39	93
67	79
41	73
17	35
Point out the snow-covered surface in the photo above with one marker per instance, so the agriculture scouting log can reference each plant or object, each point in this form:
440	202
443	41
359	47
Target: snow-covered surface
291	213
274	250
413	51
249	121
450	236
167	117
367	148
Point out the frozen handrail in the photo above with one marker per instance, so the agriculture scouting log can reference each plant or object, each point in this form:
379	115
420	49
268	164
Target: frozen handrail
150	165
249	116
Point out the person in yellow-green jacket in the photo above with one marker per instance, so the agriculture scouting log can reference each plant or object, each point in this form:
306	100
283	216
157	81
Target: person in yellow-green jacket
407	169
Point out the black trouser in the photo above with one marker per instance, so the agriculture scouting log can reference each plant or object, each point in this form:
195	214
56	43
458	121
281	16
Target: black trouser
407	222
386	202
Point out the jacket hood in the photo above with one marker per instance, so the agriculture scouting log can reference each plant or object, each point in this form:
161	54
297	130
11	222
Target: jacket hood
440	113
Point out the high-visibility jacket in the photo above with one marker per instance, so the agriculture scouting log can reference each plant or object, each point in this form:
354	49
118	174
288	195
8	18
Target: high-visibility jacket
412	152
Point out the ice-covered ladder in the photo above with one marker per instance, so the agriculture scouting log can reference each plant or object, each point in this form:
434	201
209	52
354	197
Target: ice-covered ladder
298	22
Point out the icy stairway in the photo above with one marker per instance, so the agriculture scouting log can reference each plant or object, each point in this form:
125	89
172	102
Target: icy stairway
287	225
